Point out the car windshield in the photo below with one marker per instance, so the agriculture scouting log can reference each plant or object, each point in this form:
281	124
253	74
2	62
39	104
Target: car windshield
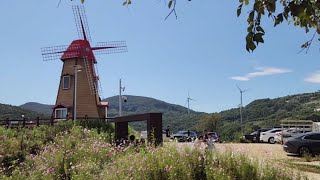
213	133
254	133
182	132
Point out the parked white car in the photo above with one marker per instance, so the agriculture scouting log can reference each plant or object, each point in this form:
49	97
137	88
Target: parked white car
268	136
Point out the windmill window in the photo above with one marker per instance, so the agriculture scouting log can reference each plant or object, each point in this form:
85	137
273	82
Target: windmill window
66	82
61	113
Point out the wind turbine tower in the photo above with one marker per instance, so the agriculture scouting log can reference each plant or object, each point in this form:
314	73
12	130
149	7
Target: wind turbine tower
241	91
121	88
188	102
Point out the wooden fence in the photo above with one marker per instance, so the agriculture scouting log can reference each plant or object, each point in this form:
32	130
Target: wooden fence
42	121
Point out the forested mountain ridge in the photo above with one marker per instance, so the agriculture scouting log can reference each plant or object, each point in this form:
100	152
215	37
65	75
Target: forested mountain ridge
175	116
300	106
14	112
259	113
37	107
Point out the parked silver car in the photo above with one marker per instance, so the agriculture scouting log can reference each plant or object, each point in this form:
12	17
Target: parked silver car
184	136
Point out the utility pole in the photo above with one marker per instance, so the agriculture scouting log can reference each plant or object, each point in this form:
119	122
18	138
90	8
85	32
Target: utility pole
76	70
120	97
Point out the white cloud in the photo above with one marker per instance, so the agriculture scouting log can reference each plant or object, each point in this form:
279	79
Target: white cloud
262	71
313	78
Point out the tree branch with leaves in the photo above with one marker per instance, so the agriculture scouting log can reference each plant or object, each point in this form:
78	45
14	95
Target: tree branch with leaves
303	13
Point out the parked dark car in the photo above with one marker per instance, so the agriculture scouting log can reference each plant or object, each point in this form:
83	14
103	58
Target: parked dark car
184	136
253	136
305	144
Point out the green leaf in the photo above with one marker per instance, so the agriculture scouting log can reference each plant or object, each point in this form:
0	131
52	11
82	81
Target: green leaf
278	19
249	42
246	2
258	38
170	4
259	28
129	2
82	1
251	16
239	10
124	3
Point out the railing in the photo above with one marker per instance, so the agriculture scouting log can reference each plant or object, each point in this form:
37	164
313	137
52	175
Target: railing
43	121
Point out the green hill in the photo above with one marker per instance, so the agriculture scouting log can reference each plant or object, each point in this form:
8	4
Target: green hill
14	112
37	107
258	113
300	106
269	112
175	116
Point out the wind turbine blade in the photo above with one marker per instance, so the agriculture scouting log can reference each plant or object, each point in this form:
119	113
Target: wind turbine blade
238	87
245	90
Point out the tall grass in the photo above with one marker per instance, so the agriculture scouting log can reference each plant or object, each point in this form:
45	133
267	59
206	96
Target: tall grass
74	152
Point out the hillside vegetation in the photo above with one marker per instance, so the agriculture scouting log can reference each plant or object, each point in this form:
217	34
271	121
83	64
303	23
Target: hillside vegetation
14	112
175	116
37	107
259	113
268	113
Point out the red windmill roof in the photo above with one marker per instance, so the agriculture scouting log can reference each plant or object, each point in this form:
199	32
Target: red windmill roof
78	49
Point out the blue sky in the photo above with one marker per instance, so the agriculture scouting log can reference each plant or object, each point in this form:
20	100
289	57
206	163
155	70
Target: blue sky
202	52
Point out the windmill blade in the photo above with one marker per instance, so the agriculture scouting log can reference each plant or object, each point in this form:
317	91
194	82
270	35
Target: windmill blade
80	19
98	84
91	76
110	47
56	52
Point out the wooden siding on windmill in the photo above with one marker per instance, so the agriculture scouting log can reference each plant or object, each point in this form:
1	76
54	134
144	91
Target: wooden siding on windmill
65	96
86	102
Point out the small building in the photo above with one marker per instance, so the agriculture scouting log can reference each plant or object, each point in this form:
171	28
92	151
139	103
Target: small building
298	124
316	127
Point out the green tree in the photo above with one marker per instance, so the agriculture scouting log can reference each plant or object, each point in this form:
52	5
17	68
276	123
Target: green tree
302	13
208	122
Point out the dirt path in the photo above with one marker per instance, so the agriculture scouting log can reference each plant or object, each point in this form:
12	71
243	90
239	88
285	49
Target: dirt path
264	152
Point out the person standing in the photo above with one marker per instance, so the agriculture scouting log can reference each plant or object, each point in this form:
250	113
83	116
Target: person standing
168	132
210	142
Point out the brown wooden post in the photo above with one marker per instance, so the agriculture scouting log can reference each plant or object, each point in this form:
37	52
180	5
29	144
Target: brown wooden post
24	122
7	123
38	121
51	120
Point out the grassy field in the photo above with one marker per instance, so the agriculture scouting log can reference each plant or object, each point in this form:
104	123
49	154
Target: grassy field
274	154
67	151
